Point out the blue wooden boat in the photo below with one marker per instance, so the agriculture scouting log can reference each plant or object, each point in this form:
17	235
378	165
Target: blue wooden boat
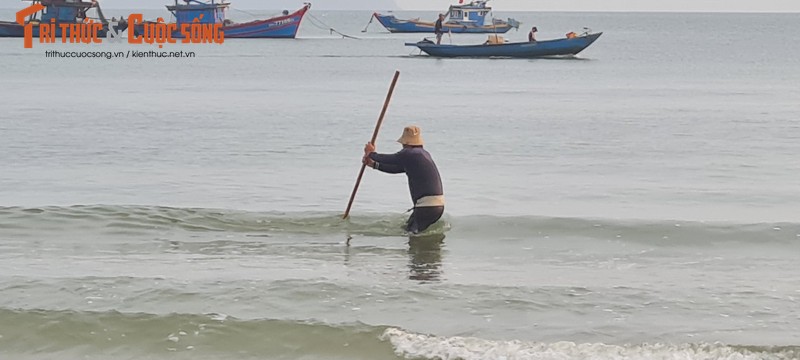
63	12
467	18
284	26
557	47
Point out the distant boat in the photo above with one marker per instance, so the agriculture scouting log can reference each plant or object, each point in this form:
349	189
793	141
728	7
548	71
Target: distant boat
467	18
284	26
63	12
497	48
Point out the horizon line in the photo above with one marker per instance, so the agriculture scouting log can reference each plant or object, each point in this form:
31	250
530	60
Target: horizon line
509	11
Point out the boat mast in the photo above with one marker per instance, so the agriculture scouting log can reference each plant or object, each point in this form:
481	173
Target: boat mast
100	15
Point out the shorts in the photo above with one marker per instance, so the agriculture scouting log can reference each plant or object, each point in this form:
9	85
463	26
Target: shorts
423	217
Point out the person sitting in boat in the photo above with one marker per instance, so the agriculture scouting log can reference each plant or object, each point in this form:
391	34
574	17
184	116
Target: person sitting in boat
424	181
532	34
437	29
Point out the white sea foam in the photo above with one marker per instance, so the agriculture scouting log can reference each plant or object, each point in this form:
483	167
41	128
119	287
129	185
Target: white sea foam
416	346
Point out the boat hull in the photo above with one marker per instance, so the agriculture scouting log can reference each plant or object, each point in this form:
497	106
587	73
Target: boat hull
15	30
281	27
558	47
395	25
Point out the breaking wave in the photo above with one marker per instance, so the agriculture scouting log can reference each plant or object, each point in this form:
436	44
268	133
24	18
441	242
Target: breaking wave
133	219
418	346
70	334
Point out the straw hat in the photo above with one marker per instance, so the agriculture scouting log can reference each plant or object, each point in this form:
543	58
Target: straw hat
412	135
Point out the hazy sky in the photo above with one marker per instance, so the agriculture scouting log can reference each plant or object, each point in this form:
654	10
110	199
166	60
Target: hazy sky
621	5
499	5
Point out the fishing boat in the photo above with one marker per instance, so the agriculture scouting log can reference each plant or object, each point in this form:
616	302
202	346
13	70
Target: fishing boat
497	47
214	12
61	12
463	18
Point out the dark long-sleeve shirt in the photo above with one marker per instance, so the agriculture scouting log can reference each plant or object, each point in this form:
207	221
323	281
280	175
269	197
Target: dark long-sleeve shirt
417	164
437	27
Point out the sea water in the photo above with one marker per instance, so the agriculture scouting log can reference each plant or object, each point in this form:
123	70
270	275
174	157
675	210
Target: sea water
636	201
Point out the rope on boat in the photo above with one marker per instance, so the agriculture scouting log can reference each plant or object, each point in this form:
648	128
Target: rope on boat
325	26
369	23
311	18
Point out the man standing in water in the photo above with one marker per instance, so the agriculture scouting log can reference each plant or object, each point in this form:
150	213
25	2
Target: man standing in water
424	181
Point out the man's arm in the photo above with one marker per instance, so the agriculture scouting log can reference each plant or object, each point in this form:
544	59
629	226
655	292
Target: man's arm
387	163
388	159
388	168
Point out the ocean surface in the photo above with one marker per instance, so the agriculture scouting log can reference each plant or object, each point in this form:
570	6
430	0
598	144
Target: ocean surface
637	201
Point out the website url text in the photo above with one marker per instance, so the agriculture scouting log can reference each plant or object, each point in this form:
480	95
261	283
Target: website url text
119	54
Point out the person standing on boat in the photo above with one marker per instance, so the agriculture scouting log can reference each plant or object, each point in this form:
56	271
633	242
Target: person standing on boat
424	181
532	34
437	29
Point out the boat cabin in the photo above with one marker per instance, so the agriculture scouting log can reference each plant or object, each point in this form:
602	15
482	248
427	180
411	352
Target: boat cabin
212	12
64	10
472	13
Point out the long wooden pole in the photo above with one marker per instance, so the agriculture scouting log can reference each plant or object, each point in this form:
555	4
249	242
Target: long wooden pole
374	137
